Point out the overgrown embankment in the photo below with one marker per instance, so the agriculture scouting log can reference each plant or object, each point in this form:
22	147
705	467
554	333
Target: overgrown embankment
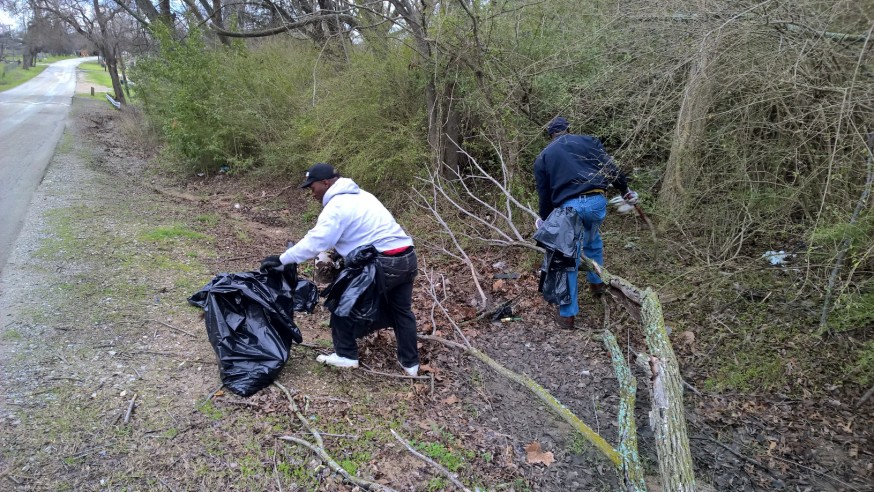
744	132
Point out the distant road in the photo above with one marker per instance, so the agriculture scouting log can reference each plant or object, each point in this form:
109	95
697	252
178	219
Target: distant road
32	118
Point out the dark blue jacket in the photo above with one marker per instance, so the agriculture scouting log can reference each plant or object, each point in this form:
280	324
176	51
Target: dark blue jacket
572	165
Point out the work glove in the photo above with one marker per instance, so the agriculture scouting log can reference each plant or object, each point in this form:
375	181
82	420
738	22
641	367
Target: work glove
621	206
538	223
631	197
270	262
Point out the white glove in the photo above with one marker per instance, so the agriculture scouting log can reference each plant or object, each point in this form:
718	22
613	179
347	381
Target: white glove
621	205
538	223
631	197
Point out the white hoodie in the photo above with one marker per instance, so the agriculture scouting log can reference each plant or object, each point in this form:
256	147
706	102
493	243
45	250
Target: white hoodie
351	217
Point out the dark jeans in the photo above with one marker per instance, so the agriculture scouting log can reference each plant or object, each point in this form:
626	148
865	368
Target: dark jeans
398	273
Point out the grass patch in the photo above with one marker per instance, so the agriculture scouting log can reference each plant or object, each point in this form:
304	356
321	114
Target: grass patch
11	335
210	410
210	220
170	234
12	75
96	74
440	453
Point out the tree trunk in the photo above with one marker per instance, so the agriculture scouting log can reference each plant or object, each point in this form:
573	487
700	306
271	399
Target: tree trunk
112	67
683	168
667	417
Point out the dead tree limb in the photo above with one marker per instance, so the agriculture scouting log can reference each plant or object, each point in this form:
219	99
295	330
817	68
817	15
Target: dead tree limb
632	470
173	327
319	447
667	416
541	393
130	408
845	243
448	474
432	205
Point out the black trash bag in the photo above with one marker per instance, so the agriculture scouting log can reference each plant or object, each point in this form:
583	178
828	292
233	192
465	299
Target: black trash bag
560	231
355	294
554	281
250	324
306	296
558	236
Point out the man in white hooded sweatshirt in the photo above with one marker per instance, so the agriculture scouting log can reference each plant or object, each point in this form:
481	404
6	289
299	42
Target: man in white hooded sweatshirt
351	218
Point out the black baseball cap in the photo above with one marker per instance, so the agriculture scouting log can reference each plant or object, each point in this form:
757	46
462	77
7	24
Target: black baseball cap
558	124
318	172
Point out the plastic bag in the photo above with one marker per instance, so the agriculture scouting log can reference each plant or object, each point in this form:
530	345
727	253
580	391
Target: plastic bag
560	231
558	236
250	323
354	294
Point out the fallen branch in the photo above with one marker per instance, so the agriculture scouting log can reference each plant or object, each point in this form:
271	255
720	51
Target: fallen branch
814	470
130	408
627	448
541	393
736	453
448	474
401	376
845	243
319	447
173	327
209	397
865	397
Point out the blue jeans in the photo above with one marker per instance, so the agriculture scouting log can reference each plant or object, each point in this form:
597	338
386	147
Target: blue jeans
592	209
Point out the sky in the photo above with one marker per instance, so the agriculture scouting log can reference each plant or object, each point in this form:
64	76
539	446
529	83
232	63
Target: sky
5	18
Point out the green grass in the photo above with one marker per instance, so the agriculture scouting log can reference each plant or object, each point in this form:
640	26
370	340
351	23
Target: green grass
13	76
96	74
170	234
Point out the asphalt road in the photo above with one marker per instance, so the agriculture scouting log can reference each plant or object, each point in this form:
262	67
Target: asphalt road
32	118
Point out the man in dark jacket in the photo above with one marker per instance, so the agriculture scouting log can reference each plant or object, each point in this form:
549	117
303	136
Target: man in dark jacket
352	218
575	171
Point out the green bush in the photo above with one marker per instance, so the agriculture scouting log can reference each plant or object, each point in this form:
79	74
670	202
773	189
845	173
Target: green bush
279	106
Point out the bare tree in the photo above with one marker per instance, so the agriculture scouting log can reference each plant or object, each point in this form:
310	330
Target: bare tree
97	21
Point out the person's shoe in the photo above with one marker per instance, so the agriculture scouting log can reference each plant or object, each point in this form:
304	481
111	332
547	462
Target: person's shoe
598	290
337	361
564	322
412	371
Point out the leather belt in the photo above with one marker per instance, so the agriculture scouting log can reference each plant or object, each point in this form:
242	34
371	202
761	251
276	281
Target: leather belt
597	191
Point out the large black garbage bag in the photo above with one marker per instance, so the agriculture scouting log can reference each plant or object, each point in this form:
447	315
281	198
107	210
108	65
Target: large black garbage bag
558	236
355	293
560	231
250	323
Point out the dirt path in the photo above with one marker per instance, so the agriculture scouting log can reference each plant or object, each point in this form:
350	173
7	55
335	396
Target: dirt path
93	315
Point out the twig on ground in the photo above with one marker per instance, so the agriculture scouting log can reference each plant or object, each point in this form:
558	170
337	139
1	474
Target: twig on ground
736	453
603	446
65	378
401	376
130	408
865	397
173	327
690	387
319	447
824	475
313	346
209	397
448	474
165	484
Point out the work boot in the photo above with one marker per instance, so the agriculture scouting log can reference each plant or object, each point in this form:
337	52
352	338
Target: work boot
337	361
597	290
564	322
